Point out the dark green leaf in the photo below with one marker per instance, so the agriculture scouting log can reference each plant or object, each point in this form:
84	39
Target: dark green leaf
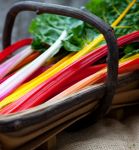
132	53
109	10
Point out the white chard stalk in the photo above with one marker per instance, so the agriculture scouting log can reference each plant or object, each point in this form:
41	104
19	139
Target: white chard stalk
19	77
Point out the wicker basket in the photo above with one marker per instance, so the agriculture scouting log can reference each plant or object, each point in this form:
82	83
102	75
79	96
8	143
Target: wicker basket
38	127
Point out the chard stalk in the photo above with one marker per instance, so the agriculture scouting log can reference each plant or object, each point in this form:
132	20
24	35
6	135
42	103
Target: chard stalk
9	65
14	47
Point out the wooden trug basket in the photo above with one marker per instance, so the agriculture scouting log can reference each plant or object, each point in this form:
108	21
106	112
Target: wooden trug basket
38	127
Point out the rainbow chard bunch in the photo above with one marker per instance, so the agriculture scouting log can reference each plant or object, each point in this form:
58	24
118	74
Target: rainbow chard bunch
62	80
57	31
77	70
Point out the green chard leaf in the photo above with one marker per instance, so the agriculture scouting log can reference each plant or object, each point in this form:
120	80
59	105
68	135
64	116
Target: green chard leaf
131	49
133	52
46	28
109	10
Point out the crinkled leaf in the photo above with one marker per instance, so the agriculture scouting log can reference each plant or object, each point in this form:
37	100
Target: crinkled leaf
109	10
133	52
46	28
131	49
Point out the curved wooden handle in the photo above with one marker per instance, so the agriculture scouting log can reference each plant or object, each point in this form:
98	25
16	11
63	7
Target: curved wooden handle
91	19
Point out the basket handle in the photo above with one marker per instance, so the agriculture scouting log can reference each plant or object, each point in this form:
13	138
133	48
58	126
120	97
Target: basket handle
91	19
